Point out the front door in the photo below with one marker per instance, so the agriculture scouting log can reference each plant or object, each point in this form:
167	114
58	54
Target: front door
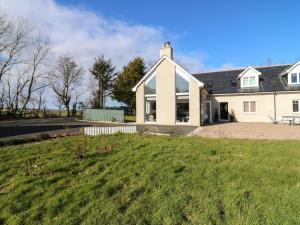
224	111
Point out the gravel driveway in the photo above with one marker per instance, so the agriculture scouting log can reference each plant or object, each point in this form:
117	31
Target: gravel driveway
250	131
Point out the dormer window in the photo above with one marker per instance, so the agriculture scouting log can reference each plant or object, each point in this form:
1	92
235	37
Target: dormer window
292	74
249	78
249	81
295	78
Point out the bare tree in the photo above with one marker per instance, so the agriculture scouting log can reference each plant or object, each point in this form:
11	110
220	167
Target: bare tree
66	79
14	37
34	67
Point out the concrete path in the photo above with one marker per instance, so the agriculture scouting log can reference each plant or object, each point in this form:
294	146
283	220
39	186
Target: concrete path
249	131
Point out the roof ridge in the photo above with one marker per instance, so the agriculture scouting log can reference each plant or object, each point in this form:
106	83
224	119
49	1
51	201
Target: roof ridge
243	68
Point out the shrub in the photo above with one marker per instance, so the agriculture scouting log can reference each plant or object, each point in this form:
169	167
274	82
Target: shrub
105	147
80	148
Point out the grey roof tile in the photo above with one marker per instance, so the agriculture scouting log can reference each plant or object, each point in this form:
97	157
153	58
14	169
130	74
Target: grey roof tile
270	80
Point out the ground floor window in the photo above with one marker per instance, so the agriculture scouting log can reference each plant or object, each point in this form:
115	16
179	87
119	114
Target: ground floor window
250	106
296	106
150	111
182	109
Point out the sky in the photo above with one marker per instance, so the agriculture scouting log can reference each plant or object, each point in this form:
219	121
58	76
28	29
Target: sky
205	35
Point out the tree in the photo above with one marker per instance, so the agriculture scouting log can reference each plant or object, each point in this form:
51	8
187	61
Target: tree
40	52
14	38
127	79
104	75
66	79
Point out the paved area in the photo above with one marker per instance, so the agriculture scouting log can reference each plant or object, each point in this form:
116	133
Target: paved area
32	127
15	129
250	131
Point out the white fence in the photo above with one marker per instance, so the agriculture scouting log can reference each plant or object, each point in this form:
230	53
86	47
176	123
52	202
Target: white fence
92	131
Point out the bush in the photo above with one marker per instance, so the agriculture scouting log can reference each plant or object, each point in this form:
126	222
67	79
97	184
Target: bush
105	147
80	148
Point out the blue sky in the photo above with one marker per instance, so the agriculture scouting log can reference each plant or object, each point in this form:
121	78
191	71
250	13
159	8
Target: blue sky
224	32
205	35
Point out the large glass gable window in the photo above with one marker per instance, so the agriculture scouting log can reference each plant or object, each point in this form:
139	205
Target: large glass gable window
182	99
150	99
150	86
182	85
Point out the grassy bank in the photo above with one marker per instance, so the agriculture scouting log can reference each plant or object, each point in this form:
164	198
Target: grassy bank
140	179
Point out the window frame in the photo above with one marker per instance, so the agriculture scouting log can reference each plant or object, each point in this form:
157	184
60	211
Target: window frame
145	108
249	107
296	100
297	75
182	95
247	83
148	81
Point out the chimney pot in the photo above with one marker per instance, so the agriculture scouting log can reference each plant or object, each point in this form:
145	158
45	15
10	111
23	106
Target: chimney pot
166	50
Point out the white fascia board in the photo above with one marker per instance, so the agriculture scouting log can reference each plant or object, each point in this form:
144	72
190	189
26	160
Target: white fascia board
149	73
249	68
288	70
200	84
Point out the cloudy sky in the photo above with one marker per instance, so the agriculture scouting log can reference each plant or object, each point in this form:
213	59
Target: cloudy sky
206	35
85	34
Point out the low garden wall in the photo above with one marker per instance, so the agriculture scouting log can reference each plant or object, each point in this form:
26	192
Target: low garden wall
104	115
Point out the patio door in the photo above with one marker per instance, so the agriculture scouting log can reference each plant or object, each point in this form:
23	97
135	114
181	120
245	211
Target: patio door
224	115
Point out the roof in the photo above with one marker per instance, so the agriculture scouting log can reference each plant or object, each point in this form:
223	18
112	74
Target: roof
270	80
200	84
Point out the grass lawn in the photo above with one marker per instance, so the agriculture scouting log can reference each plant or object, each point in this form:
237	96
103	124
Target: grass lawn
141	179
129	119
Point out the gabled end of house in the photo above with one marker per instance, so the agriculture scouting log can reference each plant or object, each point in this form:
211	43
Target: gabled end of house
170	95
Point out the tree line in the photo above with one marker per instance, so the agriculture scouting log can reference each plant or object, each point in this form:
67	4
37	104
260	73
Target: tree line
27	73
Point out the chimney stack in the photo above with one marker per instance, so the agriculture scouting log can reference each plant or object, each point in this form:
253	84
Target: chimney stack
166	50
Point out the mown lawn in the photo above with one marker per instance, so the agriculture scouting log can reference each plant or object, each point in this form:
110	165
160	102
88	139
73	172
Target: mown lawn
129	118
140	179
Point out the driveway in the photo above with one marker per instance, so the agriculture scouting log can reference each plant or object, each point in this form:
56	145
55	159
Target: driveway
32	127
250	131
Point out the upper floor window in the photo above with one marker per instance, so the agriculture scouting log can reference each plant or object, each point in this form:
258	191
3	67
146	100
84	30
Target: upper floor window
249	81
182	85
295	78
150	86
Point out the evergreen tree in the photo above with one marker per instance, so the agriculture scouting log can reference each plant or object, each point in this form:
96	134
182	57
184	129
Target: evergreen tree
103	72
127	79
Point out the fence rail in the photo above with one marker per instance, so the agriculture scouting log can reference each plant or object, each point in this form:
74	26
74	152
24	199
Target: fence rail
93	131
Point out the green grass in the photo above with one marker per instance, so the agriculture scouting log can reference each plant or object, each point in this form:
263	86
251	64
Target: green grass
129	119
150	180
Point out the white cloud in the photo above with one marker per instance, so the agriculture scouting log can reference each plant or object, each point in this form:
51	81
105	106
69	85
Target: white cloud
85	35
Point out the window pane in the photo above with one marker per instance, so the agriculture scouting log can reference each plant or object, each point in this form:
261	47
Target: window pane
150	114
246	106
150	86
182	86
245	81
182	110
253	107
252	81
294	78
295	106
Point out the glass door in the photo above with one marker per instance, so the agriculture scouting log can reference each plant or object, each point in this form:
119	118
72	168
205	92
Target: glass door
224	111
